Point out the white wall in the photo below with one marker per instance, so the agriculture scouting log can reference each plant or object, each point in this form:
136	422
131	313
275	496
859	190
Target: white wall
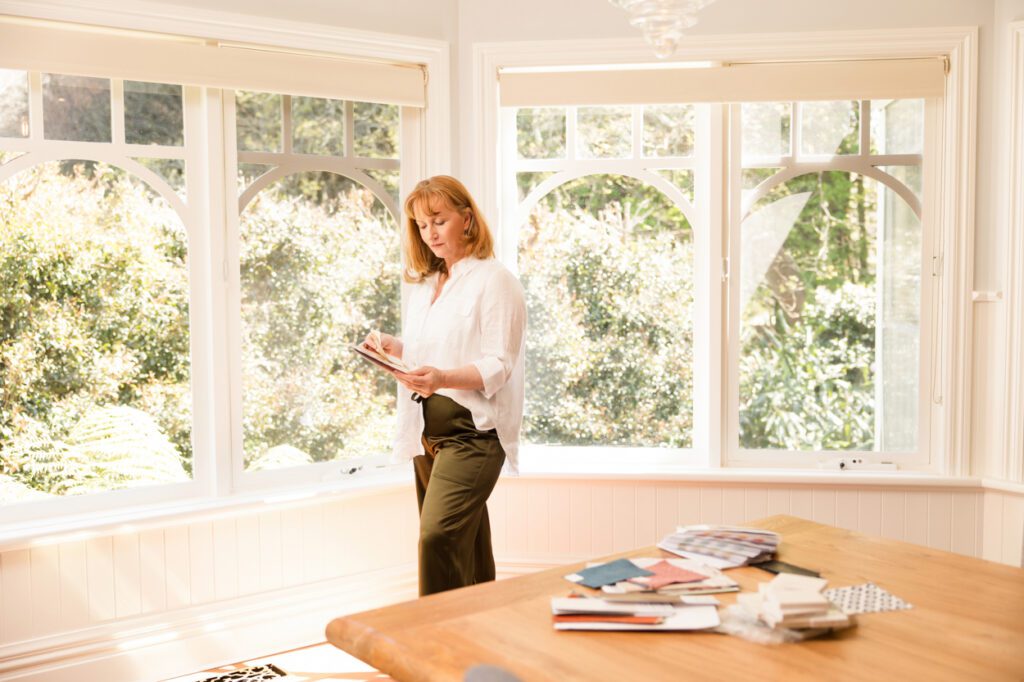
111	591
420	18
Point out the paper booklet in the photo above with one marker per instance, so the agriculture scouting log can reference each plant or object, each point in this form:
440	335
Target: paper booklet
373	350
597	614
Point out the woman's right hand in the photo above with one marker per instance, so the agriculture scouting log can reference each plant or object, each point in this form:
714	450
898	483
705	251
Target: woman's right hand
386	342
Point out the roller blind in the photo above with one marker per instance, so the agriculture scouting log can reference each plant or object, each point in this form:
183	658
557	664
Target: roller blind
186	61
878	79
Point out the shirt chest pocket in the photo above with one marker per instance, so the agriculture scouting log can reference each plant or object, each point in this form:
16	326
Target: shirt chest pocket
465	318
458	322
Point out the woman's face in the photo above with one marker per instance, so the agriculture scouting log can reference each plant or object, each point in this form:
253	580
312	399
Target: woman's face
442	228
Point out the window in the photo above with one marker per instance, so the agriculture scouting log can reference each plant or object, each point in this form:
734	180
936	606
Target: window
605	251
94	247
183	267
822	306
320	267
829	346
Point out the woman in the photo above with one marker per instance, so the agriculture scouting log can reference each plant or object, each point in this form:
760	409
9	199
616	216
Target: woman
460	410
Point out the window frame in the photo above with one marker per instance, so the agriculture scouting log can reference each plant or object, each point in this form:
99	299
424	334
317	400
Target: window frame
287	163
697	211
739	206
953	162
208	187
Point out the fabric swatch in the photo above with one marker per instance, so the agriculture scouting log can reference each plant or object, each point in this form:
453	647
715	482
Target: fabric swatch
606	574
866	598
664	573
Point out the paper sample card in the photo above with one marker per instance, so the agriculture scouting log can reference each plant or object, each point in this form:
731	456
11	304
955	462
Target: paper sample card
606	574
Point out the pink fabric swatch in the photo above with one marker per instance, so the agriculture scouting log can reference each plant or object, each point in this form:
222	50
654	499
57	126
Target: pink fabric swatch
666	574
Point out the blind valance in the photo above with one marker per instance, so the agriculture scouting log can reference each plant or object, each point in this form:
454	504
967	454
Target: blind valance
191	61
776	81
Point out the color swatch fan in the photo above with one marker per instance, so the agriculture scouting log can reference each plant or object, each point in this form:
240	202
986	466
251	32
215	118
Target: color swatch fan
722	546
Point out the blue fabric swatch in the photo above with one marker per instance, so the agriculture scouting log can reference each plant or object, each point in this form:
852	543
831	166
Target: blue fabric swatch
611	572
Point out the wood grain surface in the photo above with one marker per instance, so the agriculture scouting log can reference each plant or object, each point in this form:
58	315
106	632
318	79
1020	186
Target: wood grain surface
967	623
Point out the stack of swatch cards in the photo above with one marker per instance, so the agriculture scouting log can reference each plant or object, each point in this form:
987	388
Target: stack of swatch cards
722	546
643	594
795	602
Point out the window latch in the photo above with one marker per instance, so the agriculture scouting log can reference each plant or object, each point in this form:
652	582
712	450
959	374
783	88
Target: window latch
725	269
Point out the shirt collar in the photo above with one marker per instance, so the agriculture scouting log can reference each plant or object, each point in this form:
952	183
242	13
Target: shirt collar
462	266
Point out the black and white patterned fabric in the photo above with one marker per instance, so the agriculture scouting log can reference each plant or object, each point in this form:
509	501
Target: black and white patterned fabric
866	598
256	673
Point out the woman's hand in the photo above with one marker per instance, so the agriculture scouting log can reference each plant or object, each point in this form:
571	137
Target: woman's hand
422	380
386	342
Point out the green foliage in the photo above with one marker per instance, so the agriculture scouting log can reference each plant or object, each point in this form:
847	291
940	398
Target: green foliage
376	130
607	266
317	275
93	315
153	114
808	347
669	130
76	108
808	384
279	457
540	133
258	119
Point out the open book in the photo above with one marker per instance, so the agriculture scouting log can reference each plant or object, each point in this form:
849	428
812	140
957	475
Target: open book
373	350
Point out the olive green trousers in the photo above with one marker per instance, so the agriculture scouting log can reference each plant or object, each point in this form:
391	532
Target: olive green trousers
453	481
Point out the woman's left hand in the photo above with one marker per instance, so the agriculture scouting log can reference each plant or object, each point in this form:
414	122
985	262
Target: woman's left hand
423	380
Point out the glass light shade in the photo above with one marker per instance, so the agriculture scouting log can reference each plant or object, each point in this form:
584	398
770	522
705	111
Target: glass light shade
662	21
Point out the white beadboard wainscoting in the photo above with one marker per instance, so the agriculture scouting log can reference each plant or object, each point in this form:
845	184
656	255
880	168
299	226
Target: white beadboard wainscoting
542	523
165	600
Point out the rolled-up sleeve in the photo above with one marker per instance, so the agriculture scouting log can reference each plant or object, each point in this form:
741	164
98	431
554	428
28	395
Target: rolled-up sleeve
502	327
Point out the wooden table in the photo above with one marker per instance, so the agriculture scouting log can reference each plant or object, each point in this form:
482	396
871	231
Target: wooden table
967	623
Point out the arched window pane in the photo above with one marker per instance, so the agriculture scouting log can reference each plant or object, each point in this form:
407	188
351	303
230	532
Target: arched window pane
830	301
319	269
94	334
607	265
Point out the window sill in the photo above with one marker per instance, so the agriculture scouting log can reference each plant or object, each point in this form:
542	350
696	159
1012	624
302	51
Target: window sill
136	518
669	472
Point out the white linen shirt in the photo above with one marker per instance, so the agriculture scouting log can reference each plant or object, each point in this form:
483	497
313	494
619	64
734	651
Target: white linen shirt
479	319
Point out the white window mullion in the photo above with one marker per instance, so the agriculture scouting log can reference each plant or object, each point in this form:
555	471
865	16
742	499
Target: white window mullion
931	410
637	113
230	469
732	178
710	238
117	112
510	218
35	106
350	130
286	124
570	134
865	127
203	184
795	133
